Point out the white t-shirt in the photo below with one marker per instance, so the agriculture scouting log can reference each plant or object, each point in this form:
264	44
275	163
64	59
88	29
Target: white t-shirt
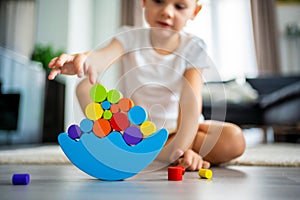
154	81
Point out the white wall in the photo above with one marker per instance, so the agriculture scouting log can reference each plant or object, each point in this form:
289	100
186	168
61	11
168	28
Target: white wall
107	19
52	23
289	46
76	26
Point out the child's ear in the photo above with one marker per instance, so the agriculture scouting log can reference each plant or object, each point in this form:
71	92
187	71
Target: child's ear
196	11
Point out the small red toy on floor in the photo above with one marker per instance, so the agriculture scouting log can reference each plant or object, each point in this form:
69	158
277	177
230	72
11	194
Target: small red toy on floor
175	173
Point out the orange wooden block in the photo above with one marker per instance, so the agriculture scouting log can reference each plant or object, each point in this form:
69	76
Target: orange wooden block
101	127
125	104
114	108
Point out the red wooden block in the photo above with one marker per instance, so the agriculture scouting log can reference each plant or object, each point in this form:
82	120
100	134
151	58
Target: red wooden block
175	173
182	168
119	121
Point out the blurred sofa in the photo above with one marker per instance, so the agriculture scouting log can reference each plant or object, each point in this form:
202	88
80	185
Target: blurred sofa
272	101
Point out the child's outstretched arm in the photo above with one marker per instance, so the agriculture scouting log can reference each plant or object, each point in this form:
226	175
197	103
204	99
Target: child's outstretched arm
90	63
189	112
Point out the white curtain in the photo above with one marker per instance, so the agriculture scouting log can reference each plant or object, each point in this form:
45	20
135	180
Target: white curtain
18	25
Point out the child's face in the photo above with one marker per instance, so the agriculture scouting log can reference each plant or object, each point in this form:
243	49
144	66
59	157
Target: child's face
170	14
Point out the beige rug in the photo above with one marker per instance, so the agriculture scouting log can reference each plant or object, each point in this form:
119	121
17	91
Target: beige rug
276	154
260	155
51	154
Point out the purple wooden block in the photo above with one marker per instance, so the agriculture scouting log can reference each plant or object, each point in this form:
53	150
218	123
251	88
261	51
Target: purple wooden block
132	135
20	179
74	131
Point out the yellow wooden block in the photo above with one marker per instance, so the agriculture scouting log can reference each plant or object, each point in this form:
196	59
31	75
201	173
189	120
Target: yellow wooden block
148	128
93	111
205	173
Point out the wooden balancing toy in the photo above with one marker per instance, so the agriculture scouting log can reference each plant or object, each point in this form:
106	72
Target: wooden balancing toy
115	141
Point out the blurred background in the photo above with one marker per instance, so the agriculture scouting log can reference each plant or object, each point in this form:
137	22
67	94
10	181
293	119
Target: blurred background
247	39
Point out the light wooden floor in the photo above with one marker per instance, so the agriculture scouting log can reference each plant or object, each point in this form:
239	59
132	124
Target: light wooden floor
67	182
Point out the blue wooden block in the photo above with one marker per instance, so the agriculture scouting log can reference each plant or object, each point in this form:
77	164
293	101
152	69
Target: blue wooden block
86	125
110	158
20	179
106	105
137	115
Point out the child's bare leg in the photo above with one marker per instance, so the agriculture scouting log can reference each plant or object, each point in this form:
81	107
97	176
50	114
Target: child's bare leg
219	142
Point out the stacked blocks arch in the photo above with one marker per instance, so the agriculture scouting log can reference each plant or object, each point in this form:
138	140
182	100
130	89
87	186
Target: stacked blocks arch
115	141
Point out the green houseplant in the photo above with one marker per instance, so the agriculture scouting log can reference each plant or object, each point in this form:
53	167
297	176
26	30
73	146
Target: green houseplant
44	53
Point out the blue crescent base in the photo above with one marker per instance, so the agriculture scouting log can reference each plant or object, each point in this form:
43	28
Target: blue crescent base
110	158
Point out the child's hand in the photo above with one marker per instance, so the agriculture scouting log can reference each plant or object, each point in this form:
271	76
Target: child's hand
193	161
70	65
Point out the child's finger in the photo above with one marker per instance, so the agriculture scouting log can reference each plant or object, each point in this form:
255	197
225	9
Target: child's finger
62	59
54	73
187	161
52	62
79	64
205	165
92	75
195	163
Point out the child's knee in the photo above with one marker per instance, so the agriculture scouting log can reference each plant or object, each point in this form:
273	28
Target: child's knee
235	141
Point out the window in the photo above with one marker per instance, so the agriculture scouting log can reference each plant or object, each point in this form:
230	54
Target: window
226	28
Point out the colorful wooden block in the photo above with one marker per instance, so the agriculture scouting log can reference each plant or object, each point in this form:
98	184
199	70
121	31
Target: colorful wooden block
105	105
114	108
175	173
86	125
101	128
119	121
107	114
148	128
20	179
125	104
205	173
132	135
93	111
74	131
114	96
98	93
137	115
182	168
